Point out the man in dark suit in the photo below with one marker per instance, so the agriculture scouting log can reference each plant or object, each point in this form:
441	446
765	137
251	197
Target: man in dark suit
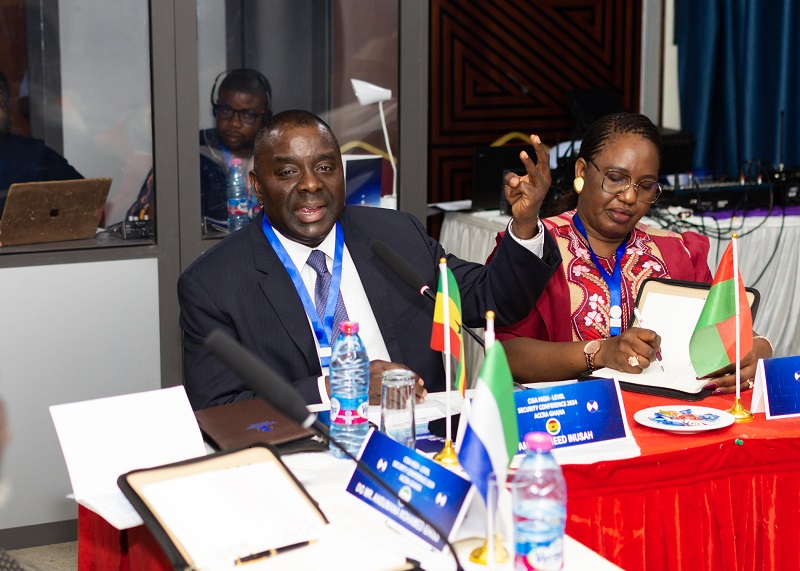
256	284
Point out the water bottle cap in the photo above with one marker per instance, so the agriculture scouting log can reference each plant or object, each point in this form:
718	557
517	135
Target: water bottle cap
348	327
236	161
539	441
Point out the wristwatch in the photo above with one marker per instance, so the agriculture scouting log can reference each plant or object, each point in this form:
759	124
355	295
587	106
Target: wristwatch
589	351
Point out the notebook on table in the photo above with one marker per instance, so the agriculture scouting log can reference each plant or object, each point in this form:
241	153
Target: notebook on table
53	211
245	423
671	308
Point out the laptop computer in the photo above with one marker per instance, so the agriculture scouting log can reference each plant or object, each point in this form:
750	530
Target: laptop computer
53	211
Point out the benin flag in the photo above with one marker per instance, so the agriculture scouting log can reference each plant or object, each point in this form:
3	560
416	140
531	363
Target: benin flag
437	335
713	343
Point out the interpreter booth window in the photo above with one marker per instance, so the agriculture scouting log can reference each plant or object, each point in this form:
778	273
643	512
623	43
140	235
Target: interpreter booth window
257	58
75	122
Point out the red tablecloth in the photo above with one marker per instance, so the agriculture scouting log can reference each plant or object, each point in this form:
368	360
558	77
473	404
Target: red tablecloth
725	499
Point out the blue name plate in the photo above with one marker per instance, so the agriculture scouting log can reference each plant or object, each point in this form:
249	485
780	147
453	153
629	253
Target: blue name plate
439	494
777	387
577	413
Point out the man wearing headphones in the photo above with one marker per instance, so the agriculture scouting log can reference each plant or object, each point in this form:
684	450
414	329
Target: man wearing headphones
242	104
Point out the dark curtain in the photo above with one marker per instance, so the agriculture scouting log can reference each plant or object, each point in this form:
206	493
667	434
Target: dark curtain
739	69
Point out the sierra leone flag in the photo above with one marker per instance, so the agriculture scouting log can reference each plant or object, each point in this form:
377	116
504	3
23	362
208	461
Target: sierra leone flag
492	438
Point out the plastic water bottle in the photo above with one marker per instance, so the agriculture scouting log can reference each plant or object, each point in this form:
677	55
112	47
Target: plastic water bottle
349	380
238	201
539	505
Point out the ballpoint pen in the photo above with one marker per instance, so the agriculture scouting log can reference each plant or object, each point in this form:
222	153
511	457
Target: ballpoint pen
640	321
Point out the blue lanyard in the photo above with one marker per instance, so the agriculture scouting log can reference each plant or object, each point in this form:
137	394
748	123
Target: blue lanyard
322	329
613	280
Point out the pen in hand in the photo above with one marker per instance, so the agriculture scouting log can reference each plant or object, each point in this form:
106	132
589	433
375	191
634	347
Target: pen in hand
641	324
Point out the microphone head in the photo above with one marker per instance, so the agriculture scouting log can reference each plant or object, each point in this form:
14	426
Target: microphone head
257	375
399	266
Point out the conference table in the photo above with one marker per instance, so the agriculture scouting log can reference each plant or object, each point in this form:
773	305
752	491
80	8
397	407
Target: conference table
368	540
718	500
769	260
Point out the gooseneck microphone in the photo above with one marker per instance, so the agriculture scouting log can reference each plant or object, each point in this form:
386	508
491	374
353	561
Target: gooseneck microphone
261	378
411	277
274	389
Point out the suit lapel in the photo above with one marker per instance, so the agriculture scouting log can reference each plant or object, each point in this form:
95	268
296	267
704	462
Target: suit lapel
280	293
375	282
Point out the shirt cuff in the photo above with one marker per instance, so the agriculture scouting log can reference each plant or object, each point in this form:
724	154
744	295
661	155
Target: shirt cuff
535	244
323	393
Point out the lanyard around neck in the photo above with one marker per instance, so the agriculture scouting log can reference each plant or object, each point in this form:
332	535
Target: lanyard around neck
613	280
322	328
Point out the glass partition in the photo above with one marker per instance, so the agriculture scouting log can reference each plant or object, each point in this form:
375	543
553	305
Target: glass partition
258	57
76	102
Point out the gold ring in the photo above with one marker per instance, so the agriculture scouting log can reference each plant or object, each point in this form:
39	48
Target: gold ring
633	360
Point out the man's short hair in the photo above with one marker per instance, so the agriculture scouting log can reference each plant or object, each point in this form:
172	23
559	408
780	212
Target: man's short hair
290	118
246	80
293	118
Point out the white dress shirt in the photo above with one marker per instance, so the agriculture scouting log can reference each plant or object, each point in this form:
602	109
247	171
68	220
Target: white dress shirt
353	294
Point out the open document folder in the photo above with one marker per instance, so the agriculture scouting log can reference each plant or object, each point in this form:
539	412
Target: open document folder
103	438
242	507
671	308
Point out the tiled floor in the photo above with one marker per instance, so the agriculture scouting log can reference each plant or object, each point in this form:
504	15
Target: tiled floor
56	557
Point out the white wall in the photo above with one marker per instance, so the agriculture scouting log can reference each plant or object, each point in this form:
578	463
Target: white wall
68	333
105	84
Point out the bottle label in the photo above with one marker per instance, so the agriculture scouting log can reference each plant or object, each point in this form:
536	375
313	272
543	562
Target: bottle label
238	207
349	411
545	556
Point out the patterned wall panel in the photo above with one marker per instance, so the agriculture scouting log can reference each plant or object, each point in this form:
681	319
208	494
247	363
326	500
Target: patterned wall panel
499	66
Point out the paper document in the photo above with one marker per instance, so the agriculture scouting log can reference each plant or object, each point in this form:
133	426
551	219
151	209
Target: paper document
678	376
245	510
103	438
674	319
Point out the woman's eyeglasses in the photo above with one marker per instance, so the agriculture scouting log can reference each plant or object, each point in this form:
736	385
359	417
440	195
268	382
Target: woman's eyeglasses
246	116
616	182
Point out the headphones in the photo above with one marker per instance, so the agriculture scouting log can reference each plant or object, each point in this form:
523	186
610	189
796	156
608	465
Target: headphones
266	87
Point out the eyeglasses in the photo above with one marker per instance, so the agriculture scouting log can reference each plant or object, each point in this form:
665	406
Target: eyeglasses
246	116
616	182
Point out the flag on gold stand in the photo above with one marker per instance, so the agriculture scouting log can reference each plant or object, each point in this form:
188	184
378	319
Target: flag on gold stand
713	343
448	294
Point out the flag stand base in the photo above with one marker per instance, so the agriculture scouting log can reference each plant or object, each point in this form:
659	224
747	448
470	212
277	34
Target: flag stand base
448	456
740	414
480	555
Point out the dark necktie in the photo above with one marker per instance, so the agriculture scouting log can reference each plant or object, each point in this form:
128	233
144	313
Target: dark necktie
321	288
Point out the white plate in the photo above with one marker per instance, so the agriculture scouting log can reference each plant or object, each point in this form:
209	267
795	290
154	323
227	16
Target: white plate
645	417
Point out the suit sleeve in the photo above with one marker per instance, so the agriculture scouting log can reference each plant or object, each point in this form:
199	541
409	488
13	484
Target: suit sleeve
509	284
208	381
